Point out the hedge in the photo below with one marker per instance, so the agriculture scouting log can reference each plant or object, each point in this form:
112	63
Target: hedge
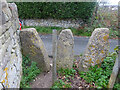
57	10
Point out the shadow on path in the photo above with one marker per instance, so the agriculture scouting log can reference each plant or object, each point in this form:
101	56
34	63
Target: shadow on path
44	80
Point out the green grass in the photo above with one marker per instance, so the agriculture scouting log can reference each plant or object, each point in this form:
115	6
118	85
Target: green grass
87	31
48	30
30	71
44	30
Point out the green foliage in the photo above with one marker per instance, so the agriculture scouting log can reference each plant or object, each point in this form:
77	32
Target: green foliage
61	84
117	48
30	71
57	10
105	17
117	86
67	72
44	30
81	32
48	30
100	76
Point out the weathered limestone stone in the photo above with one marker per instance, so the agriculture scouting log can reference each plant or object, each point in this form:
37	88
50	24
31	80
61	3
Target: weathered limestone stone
7	25
33	47
4	27
1	30
54	22
65	49
3	18
4	4
96	50
4	37
13	9
1	72
7	11
0	13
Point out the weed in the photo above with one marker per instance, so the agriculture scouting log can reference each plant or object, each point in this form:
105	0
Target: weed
30	71
100	76
61	84
65	72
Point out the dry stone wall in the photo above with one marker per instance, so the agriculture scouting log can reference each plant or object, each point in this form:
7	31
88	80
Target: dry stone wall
53	23
10	54
96	49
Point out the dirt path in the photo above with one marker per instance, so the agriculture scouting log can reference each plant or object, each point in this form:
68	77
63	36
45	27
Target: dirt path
44	80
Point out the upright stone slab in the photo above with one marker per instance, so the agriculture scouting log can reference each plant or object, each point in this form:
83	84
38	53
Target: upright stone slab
33	47
65	49
96	50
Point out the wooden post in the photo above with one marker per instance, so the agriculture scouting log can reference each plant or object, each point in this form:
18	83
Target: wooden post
54	53
114	74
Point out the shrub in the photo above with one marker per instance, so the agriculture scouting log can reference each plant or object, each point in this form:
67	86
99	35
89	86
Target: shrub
57	10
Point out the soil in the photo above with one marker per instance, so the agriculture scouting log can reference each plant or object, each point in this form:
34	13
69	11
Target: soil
44	80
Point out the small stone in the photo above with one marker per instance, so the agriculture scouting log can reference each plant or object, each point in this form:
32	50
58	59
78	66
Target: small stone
51	65
13	51
4	18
